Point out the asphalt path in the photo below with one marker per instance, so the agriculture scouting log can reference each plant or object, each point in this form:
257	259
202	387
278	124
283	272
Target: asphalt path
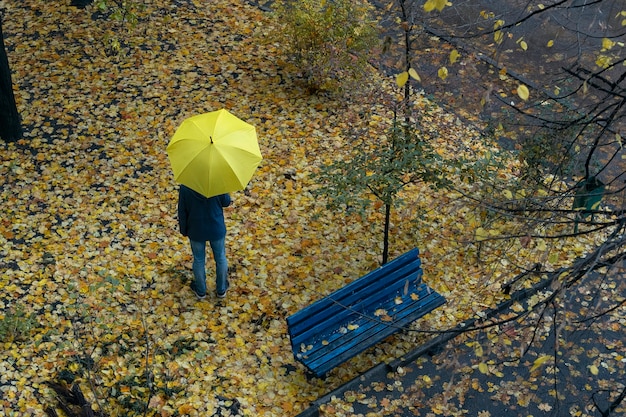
481	86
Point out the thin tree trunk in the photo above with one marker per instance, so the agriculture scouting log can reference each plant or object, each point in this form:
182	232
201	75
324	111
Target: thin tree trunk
10	126
386	238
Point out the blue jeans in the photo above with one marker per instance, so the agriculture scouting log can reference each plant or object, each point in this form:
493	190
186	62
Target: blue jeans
198	249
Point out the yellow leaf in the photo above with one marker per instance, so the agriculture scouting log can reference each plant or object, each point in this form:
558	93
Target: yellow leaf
414	74
607	43
454	56
550	43
523	45
185	409
498	36
83	288
540	361
594	370
544	407
431	5
478	351
156	402
522	92
603	61
508	194
443	73
287	406
380	312
553	258
402	78
481	234
483	368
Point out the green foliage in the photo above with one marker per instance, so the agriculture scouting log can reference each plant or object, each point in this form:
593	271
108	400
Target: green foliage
125	14
95	337
121	11
16	324
328	42
382	170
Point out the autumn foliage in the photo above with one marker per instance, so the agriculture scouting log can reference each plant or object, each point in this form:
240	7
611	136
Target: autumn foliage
328	43
89	244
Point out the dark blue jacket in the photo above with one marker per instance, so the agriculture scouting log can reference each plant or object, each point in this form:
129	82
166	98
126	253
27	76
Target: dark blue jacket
201	218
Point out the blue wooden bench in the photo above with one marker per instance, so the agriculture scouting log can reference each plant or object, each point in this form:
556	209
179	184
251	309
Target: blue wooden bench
335	328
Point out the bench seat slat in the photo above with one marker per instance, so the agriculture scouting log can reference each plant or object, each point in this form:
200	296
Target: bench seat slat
368	339
339	309
366	335
395	311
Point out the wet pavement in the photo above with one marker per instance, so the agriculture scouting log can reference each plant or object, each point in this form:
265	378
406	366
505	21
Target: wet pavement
546	53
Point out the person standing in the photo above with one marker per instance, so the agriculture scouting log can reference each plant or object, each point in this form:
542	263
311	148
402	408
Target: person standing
201	219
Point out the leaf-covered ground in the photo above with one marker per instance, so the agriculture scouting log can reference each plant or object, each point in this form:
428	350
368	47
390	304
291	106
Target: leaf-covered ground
89	239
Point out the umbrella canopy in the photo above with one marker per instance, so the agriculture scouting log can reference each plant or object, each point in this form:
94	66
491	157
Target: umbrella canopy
214	153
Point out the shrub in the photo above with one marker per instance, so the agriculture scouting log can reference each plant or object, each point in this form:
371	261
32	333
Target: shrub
328	42
16	324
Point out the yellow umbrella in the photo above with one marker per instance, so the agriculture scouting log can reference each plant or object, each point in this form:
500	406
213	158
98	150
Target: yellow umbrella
214	153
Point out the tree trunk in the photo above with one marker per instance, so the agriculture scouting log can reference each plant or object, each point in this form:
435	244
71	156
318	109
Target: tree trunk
10	126
386	238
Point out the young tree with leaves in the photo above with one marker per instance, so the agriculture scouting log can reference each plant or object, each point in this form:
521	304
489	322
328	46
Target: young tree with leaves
400	154
379	171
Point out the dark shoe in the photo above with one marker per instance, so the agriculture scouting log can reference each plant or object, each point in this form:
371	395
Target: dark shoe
199	295
223	295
